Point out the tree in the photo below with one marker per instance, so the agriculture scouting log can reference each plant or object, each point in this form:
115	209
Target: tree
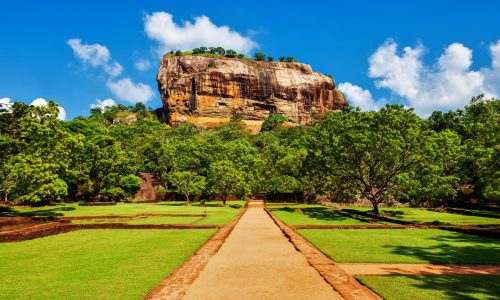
367	151
224	178
178	53
259	56
130	184
270	59
273	122
219	51
203	49
282	59
290	59
231	53
241	55
196	51
188	183
139	106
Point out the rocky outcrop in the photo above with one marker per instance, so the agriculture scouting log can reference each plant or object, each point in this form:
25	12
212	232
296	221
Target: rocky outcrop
208	90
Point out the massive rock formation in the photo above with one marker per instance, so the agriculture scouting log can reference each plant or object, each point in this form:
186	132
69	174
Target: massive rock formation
208	90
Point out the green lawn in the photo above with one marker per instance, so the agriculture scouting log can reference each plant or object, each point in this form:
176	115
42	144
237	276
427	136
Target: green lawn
404	246
215	214
401	287
424	216
94	264
311	215
148	220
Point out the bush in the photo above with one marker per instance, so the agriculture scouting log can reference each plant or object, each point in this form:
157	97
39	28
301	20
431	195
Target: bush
259	56
113	193
131	184
273	122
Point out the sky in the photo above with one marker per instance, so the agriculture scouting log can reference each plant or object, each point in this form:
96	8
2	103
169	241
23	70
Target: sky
429	55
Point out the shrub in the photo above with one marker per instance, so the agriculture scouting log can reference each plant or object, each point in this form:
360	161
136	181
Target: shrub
131	184
259	56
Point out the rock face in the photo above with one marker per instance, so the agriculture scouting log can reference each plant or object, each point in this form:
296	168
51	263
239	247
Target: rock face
208	90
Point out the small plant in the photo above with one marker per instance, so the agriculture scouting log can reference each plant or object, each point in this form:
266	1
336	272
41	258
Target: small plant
178	53
282	59
212	65
270	59
240	55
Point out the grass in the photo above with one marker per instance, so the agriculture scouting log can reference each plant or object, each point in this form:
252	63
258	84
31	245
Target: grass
94	264
423	216
215	214
146	220
404	246
402	287
311	215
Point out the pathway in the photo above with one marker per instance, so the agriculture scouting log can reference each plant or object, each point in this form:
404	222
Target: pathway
258	262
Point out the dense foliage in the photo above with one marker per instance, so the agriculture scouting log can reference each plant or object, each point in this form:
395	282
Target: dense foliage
390	155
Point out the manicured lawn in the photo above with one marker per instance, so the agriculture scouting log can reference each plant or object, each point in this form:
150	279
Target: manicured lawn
404	246
215	214
148	220
401	287
424	216
311	215
94	264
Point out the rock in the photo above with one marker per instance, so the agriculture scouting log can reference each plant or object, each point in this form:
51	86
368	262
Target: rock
208	90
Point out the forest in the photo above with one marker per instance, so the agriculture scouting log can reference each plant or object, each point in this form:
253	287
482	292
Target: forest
386	156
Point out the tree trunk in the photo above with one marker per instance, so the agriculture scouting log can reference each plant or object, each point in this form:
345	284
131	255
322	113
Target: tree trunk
224	197
187	200
375	207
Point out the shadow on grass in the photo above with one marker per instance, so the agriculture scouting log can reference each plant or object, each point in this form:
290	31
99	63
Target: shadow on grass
51	212
454	249
459	286
319	213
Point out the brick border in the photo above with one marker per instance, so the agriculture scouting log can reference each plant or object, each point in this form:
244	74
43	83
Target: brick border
347	286
175	285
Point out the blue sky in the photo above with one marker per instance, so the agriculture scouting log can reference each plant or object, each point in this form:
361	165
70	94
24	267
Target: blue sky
450	47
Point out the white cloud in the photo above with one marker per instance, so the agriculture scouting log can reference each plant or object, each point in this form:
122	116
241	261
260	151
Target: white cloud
449	84
492	75
161	27
360	97
142	65
5	105
43	102
95	55
102	104
129	91
399	73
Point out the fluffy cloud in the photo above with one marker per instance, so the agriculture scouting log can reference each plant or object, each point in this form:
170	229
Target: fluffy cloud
449	84
360	97
161	27
125	89
129	91
43	102
492	74
102	104
95	55
142	65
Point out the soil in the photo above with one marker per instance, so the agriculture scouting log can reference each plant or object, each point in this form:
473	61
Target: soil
417	269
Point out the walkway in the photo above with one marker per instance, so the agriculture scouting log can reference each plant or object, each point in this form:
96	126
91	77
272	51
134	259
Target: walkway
258	262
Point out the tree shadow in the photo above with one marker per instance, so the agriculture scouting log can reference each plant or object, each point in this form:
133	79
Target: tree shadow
319	213
51	212
459	286
458	248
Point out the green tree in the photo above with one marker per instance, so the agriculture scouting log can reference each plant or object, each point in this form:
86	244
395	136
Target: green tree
270	59
290	59
188	183
273	122
367	151
282	59
224	178
259	56
131	184
231	53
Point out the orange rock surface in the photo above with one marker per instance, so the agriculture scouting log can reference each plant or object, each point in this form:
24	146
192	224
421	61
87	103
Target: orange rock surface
208	90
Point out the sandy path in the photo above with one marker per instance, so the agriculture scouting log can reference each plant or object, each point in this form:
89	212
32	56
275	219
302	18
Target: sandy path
417	269
258	262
